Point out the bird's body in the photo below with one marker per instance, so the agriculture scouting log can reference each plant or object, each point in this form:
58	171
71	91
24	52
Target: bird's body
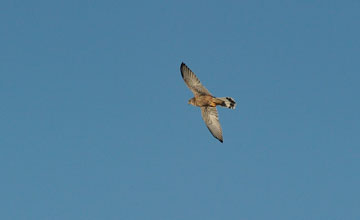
204	101
207	102
211	101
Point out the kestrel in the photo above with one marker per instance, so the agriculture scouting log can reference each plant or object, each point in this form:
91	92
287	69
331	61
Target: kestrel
206	102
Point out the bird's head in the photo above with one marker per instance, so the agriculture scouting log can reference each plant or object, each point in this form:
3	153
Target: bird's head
191	101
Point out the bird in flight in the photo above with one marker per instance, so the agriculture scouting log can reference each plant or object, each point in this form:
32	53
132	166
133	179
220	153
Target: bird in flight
207	102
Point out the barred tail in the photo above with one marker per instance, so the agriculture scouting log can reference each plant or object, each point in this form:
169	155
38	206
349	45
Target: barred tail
227	102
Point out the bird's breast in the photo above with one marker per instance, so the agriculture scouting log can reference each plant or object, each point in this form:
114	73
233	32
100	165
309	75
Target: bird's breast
204	101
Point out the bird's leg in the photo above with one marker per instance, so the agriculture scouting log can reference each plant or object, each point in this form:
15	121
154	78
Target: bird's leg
212	104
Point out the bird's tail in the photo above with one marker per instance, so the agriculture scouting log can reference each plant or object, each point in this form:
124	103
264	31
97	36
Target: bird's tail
226	102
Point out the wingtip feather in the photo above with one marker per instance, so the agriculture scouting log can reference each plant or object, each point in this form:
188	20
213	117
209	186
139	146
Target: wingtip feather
182	66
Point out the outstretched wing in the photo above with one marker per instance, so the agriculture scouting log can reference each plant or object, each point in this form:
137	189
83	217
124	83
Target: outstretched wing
211	118
192	81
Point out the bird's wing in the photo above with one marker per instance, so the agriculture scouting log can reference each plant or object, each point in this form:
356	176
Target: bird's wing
192	81
211	118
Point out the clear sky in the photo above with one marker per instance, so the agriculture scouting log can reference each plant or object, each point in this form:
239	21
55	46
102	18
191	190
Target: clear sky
95	124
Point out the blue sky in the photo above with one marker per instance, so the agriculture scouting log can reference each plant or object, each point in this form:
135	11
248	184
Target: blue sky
95	122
